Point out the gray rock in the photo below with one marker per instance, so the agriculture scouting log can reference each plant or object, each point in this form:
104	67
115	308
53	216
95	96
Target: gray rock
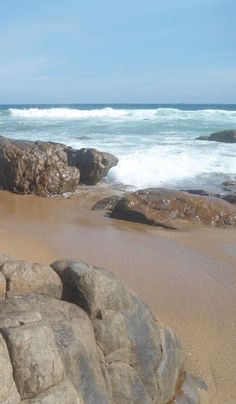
37	364
231	198
123	324
93	164
97	291
72	342
8	390
62	393
108	348
225	136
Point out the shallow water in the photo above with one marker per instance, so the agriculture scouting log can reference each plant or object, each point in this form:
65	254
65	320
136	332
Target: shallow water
155	144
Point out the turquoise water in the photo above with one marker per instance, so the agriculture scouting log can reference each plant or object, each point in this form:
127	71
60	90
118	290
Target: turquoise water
155	143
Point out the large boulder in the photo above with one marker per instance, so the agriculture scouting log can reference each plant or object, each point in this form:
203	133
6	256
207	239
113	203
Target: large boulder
140	358
39	168
168	208
93	164
47	168
225	136
101	346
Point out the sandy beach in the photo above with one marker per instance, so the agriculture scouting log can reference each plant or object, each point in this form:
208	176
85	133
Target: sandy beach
187	277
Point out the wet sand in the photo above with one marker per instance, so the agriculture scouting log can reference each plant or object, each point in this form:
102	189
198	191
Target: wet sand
187	277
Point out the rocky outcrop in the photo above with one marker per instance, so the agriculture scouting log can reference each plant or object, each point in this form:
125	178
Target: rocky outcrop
100	344
225	136
167	208
93	165
47	168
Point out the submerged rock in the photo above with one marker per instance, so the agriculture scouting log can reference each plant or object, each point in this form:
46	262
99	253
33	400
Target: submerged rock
225	136
166	207
47	168
100	344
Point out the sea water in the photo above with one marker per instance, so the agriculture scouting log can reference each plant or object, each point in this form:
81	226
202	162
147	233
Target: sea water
156	144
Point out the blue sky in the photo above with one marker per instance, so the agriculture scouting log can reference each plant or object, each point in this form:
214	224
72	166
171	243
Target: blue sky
68	51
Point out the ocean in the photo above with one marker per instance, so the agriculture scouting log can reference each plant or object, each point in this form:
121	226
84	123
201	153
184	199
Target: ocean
155	144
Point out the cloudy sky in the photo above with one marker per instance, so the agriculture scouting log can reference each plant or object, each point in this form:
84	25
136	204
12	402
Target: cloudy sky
103	51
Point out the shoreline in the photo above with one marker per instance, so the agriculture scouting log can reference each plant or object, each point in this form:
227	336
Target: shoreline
187	277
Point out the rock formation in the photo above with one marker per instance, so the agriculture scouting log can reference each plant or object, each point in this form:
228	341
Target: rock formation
167	208
99	345
47	168
93	165
225	136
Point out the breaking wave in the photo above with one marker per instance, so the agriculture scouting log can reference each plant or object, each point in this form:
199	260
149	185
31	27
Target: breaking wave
158	114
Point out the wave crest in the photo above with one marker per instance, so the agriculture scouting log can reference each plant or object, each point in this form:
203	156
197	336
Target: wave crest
108	113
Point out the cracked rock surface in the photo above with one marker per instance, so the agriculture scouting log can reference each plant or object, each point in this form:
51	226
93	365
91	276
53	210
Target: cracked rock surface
80	336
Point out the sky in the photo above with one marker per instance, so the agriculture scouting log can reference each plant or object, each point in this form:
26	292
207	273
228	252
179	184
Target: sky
126	51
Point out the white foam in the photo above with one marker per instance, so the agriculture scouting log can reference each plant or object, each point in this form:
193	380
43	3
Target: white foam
161	166
158	115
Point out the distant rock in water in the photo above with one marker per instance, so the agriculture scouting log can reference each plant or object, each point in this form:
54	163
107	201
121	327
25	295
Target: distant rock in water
99	345
167	208
47	168
225	136
231	198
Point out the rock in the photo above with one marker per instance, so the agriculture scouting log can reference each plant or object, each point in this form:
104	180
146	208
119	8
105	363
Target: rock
47	168
225	136
231	198
93	164
37	364
39	168
202	193
231	186
202	138
3	287
25	278
123	324
97	291
101	346
107	203
167	208
52	345
8	390
229	183
62	393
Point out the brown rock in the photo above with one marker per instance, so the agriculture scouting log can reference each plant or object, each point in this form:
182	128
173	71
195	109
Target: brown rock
25	278
36	168
167	208
47	168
